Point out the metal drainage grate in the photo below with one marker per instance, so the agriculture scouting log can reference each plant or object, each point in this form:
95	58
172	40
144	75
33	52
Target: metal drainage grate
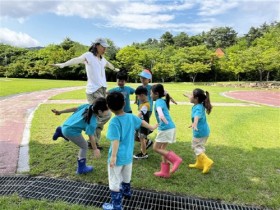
12	184
96	195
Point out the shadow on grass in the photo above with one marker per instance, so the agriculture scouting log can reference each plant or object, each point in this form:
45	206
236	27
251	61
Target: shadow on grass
238	176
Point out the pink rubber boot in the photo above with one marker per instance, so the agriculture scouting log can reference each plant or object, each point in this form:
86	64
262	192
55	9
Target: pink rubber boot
174	159
164	171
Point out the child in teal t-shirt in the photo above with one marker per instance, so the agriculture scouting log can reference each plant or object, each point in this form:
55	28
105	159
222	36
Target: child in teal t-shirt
145	78
121	135
125	90
84	118
166	132
200	128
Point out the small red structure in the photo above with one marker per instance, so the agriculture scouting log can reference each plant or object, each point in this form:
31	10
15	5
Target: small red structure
219	53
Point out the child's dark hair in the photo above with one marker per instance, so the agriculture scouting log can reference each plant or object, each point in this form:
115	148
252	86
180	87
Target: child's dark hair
141	90
158	88
99	104
121	75
203	98
115	101
93	49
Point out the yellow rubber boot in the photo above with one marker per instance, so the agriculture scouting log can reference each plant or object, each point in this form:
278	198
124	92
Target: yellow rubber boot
198	164
207	163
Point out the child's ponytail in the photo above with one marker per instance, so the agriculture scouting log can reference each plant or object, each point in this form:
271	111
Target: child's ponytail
87	114
167	100
158	88
203	99
207	103
99	104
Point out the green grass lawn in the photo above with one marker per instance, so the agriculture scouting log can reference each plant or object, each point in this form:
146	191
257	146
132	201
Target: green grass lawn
16	203
10	86
244	143
176	90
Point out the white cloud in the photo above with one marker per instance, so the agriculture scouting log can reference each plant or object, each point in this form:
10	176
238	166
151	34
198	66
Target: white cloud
86	9
252	13
152	14
138	21
18	39
20	10
216	7
125	13
140	15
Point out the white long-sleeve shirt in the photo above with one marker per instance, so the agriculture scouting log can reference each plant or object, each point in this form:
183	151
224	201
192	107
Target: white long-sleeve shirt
95	68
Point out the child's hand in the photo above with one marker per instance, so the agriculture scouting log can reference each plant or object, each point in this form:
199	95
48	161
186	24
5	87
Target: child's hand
96	153
173	101
194	127
60	65
163	119
56	112
154	127
113	162
188	95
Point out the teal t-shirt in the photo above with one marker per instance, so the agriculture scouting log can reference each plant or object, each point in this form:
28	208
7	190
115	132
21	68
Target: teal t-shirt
126	91
161	125
122	128
75	124
198	110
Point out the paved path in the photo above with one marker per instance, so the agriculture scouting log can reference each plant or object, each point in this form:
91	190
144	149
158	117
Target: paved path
14	112
70	101
269	98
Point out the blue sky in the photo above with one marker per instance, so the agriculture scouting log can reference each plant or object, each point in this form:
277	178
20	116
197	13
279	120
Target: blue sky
32	23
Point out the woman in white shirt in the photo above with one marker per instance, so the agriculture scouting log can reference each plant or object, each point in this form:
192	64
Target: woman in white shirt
95	65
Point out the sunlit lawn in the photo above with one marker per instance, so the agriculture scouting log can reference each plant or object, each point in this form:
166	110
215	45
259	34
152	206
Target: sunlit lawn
16	203
244	143
176	90
10	86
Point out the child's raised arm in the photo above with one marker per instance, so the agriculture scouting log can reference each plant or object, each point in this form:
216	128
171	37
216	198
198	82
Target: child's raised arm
148	126
57	112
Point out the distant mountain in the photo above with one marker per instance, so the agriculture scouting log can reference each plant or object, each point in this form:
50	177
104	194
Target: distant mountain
34	48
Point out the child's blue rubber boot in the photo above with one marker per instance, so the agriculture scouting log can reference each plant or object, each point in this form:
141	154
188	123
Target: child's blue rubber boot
82	168
58	133
116	202
126	191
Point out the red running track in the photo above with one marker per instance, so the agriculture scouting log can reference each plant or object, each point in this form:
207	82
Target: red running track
269	98
14	112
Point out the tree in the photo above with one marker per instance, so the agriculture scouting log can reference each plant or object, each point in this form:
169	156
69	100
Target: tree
264	56
253	34
164	71
194	60
196	40
194	68
128	57
181	40
234	59
166	39
222	37
67	43
111	51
